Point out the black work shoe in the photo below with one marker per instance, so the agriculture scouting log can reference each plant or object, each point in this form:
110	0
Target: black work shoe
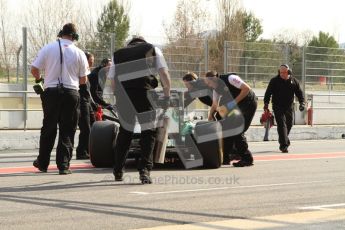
242	163
226	162
284	149
118	176
83	157
235	157
37	165
247	160
226	159
145	177
65	172
232	157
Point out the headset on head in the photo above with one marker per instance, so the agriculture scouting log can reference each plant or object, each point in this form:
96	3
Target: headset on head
74	35
286	66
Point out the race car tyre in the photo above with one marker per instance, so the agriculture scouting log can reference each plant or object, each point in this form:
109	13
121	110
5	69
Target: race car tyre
208	140
101	143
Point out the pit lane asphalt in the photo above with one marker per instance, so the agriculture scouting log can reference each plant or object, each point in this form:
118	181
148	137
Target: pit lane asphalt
308	180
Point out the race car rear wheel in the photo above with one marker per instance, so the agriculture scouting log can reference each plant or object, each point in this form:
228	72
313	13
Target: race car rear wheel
101	143
210	150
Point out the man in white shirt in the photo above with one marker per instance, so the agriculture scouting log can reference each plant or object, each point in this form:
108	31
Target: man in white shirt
65	67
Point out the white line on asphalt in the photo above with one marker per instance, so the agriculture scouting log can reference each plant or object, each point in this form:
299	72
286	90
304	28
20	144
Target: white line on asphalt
323	207
302	158
299	154
30	166
224	188
299	141
179	191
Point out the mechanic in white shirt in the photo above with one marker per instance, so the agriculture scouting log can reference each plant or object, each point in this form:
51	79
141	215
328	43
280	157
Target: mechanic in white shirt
65	69
230	92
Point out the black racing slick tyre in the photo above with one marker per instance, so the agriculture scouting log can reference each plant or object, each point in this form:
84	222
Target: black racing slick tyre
102	140
208	140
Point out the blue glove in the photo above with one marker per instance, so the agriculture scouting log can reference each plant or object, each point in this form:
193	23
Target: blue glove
231	105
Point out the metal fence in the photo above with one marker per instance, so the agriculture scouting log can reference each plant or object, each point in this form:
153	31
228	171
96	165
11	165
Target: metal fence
11	57
186	55
255	62
320	70
324	68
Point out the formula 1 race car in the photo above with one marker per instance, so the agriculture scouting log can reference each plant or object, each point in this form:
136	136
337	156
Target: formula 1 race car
199	146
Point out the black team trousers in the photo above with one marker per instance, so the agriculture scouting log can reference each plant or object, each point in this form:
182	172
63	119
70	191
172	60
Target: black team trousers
238	144
284	119
86	119
59	110
138	98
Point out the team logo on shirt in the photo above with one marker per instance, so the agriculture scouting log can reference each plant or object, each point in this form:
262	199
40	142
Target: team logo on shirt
237	81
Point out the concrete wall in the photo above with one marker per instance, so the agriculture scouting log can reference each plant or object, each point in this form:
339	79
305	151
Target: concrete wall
18	139
15	119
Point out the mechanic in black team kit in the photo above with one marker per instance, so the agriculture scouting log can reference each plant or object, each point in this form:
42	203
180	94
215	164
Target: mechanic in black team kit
230	92
134	63
283	89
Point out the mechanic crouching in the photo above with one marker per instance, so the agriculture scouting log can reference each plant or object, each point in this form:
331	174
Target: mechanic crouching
132	79
230	93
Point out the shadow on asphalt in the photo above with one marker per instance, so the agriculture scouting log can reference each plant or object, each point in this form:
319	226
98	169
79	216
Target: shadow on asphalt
128	211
